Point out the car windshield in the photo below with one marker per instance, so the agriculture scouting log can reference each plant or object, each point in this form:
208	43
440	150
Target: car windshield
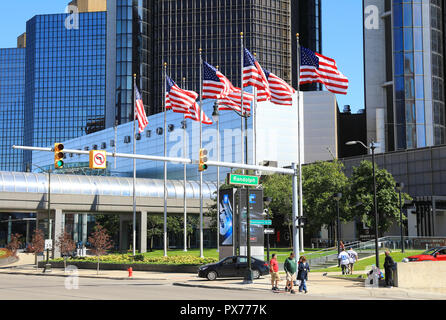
430	251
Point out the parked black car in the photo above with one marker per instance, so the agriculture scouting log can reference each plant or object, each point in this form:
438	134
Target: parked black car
233	267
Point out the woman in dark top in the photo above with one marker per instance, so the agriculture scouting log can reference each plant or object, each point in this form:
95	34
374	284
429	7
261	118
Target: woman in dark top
389	266
302	274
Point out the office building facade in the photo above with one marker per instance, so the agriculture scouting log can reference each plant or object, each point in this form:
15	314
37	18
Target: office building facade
12	89
404	73
65	78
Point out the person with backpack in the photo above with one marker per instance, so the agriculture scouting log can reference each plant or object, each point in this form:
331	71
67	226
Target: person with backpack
353	257
344	261
302	274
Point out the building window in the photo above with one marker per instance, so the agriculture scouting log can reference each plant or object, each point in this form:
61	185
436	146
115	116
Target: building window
159	131
112	143
95	147
86	148
171	127
148	133
103	146
127	139
138	136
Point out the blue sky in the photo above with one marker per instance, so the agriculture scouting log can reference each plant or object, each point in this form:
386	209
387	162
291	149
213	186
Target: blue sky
341	36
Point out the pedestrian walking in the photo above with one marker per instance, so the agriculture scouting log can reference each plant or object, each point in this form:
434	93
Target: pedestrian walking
274	272
302	274
344	261
389	267
353	257
290	267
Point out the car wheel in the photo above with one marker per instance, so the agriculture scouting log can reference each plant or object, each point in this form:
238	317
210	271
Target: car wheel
211	275
255	274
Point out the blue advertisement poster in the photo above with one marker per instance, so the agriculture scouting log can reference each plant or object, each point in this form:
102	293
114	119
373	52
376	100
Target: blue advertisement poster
226	216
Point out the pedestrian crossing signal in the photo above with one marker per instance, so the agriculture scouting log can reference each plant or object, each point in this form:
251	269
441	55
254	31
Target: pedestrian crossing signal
58	155
202	166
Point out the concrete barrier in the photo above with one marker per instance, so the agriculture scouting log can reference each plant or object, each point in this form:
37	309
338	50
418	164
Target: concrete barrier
421	275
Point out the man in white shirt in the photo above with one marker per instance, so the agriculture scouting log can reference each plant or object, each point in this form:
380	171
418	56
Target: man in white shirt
345	261
353	257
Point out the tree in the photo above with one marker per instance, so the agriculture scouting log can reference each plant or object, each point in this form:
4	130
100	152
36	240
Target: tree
100	242
321	180
387	197
154	228
37	243
279	188
111	222
66	246
14	244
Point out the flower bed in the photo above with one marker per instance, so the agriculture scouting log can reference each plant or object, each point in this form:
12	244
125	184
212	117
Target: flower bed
4	253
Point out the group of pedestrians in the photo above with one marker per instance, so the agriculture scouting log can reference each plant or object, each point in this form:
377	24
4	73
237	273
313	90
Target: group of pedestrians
347	260
295	271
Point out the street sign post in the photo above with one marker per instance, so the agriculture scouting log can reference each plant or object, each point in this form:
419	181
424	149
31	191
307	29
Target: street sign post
243	180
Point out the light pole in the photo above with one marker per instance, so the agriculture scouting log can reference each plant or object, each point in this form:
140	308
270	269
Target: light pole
400	187
216	118
47	265
267	201
337	197
372	147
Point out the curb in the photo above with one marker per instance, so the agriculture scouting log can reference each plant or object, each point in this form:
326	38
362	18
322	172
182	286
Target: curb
183	284
81	276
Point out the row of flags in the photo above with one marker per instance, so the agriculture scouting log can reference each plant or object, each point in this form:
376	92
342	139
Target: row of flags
314	67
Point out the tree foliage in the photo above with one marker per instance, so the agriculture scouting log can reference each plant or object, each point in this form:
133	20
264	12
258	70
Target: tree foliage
14	244
100	242
387	197
66	245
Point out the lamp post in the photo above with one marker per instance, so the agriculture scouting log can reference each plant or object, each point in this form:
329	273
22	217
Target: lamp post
400	187
337	197
267	201
216	118
47	265
373	146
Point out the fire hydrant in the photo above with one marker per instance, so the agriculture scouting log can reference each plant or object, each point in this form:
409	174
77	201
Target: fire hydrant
130	270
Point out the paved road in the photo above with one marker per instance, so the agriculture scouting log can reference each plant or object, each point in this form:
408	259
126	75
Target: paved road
24	287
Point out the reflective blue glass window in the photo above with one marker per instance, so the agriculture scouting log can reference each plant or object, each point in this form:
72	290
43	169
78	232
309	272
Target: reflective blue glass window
407	14
419	84
420	112
410	111
417	15
397	15
408	39
408	63
398	39
418	62
399	64
400	112
399	88
409	87
418	39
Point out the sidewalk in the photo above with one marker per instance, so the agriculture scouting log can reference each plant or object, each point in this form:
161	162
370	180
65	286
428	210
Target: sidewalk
319	286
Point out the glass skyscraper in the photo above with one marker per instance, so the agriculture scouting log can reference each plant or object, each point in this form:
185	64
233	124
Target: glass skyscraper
404	73
12	88
65	78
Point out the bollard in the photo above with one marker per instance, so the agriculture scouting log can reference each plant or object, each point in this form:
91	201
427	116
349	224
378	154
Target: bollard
130	270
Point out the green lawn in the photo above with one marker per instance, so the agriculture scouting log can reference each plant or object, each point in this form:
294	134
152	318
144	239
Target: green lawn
361	265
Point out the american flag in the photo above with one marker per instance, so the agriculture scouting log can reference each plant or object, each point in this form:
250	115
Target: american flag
253	75
177	99
215	84
194	114
140	112
318	68
281	92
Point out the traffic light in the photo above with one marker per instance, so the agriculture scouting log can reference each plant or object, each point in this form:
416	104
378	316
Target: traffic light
58	155
202	166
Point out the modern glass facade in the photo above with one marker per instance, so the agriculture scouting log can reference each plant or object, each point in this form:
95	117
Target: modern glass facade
65	78
133	55
12	88
181	28
418	85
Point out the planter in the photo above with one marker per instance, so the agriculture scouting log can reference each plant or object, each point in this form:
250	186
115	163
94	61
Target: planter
136	267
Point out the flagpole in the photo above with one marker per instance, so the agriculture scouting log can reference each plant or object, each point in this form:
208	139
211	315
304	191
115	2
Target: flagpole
201	146
218	173
165	163
241	98
134	166
299	142
185	175
254	124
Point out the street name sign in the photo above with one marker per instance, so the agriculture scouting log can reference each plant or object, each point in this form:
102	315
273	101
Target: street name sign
243	180
262	222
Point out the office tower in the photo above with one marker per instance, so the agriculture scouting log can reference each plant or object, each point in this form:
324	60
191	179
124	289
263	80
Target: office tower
65	78
404	73
12	88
